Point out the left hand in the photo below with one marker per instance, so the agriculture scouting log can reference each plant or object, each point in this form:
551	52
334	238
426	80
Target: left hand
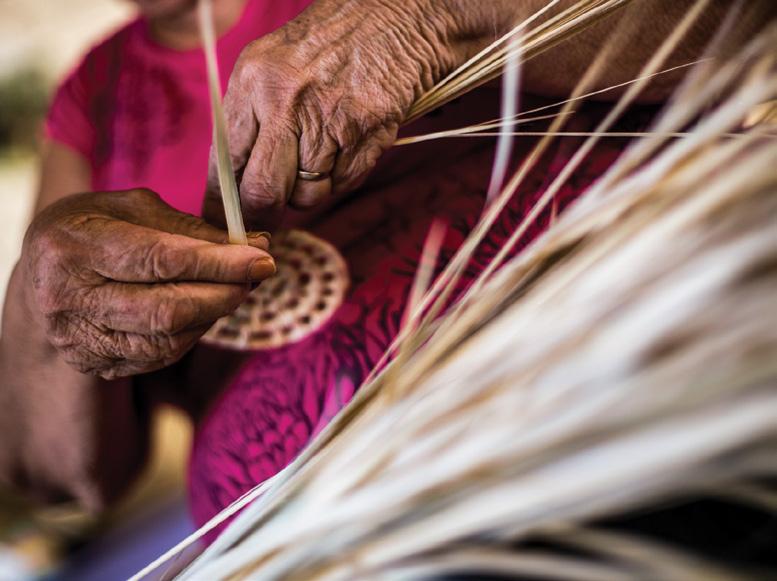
120	283
326	93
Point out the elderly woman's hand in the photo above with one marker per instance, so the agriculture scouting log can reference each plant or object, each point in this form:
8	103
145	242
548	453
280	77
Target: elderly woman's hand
326	93
122	284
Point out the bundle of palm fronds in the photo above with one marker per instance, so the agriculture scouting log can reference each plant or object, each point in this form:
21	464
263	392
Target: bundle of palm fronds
627	358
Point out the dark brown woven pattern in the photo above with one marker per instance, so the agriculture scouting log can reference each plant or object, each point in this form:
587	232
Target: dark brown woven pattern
310	285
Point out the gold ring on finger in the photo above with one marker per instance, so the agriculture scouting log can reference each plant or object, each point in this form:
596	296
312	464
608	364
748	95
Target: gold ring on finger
312	176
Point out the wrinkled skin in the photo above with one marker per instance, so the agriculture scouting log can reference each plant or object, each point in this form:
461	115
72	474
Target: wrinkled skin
328	91
122	284
325	93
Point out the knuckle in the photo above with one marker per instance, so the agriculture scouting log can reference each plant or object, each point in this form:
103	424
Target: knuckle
261	194
143	349
116	371
46	247
138	197
345	132
177	346
347	174
249	64
160	261
142	354
253	47
134	347
143	194
361	163
158	351
84	346
369	157
170	317
61	341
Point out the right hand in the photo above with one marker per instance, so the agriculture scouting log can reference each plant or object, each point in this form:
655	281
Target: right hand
121	283
326	93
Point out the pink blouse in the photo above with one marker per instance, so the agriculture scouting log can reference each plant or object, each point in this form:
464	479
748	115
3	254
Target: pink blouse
139	111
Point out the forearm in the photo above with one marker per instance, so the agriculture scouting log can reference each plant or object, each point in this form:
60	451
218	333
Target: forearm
63	435
464	27
66	435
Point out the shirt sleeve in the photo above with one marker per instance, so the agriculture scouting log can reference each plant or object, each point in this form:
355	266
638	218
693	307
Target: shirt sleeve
68	121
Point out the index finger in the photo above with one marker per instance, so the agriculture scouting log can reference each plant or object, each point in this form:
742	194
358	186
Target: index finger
148	255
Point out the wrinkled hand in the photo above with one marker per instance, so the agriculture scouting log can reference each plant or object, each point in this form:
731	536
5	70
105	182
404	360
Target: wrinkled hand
122	284
325	93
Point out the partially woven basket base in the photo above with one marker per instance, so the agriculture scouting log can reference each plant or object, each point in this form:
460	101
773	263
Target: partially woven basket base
309	286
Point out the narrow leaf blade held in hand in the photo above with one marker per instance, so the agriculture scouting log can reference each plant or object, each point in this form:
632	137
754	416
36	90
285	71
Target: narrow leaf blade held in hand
227	184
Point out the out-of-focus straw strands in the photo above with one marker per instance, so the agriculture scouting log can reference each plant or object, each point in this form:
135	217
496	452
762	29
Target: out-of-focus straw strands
627	358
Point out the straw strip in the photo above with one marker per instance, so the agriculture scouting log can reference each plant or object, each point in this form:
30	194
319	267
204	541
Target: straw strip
226	173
